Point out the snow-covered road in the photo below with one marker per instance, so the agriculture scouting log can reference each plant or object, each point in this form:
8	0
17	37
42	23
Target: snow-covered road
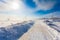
31	30
41	31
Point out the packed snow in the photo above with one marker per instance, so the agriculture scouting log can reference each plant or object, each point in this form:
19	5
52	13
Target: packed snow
42	31
39	29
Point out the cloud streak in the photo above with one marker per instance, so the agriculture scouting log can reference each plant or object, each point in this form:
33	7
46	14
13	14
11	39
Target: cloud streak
53	14
44	5
9	5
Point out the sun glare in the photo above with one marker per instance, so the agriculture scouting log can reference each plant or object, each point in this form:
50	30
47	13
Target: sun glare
14	5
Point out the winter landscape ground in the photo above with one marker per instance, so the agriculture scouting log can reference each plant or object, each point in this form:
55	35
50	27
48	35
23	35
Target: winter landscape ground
39	29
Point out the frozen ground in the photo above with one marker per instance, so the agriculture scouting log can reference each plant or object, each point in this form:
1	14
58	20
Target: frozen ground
15	31
32	30
54	24
43	30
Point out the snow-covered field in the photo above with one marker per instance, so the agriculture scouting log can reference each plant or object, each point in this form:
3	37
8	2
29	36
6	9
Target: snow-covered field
32	30
15	31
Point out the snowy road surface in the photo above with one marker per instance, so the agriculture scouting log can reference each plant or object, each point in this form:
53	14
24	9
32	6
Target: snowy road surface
31	30
41	31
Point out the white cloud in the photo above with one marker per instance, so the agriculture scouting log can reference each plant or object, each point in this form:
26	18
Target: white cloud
44	5
22	12
6	19
14	6
9	5
54	14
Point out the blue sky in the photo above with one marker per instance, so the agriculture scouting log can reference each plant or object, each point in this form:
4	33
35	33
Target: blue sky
48	8
55	7
31	8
